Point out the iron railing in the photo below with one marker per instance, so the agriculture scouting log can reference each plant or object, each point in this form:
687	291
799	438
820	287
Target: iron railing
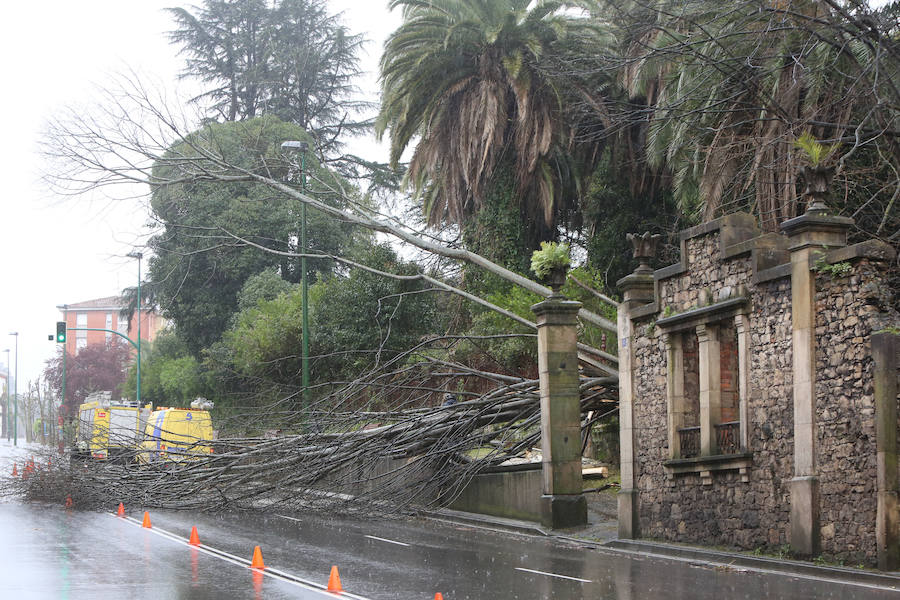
728	437
689	438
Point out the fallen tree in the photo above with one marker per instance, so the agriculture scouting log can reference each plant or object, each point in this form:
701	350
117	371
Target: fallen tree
335	455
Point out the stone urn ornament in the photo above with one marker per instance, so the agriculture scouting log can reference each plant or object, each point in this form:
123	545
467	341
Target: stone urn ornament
644	246
551	265
816	176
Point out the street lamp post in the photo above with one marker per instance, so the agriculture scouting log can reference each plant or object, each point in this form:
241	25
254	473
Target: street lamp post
138	256
6	408
65	353
304	286
16	394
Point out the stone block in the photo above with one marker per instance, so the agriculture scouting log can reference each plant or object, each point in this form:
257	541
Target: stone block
805	530
561	511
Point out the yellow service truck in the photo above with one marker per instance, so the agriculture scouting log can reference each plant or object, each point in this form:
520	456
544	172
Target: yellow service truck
177	434
108	429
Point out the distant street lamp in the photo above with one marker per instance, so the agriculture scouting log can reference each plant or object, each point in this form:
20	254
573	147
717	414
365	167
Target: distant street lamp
16	394
138	256
304	286
6	408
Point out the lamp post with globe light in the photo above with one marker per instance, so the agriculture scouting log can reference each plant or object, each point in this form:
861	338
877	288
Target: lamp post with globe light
138	256
304	286
15	426
6	406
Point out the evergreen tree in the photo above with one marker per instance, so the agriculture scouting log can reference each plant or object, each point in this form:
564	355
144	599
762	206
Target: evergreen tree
292	59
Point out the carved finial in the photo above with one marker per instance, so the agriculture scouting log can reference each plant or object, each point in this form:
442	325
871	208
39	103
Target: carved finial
816	183
644	249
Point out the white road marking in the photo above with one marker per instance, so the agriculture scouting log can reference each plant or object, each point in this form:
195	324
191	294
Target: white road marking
380	539
554	575
242	562
290	518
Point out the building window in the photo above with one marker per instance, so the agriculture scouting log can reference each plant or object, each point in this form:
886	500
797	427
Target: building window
122	326
108	326
706	389
80	333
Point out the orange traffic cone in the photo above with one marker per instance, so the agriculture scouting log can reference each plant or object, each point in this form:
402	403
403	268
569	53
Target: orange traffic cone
15	472
146	522
257	562
334	581
195	539
121	511
439	596
69	502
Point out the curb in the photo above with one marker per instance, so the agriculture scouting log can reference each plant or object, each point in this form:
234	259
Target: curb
792	567
447	515
683	553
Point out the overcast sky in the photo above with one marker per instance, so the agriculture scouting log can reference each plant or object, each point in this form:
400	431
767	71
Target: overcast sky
55	250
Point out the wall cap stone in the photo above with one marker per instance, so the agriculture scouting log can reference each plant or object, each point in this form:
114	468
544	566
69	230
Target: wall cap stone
871	249
704	314
716	462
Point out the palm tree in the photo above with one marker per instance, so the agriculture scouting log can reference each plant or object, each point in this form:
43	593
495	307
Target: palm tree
470	81
731	90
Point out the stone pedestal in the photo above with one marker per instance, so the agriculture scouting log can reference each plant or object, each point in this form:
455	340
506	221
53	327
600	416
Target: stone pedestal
805	531
637	290
885	353
562	502
809	233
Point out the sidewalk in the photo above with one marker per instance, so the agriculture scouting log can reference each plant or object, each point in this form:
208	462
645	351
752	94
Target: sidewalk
601	533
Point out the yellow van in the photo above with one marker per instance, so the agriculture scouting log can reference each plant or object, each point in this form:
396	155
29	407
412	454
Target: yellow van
108	429
176	434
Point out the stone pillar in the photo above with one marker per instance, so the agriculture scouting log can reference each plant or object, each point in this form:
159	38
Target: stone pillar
710	387
885	351
742	327
674	390
562	502
814	231
637	290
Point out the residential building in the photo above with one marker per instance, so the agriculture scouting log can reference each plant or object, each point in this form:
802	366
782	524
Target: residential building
85	322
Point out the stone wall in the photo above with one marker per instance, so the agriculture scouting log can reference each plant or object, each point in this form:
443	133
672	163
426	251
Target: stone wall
750	508
846	408
729	512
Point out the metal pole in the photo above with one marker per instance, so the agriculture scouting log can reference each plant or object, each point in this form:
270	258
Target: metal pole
65	353
6	408
304	286
138	256
138	394
16	395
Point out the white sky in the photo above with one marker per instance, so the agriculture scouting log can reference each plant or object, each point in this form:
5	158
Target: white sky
61	250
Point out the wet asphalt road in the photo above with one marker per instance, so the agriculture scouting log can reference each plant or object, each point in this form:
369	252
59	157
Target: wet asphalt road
48	552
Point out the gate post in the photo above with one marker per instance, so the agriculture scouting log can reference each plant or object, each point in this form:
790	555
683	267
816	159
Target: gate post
562	502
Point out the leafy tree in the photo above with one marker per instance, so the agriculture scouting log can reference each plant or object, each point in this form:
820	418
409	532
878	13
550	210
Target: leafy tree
356	319
469	80
612	207
266	338
94	368
363	318
290	58
267	285
201	256
170	375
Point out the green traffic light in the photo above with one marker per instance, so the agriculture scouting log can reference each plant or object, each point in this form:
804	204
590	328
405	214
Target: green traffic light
61	332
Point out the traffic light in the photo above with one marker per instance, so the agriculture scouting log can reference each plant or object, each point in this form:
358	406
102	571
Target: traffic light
61	332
